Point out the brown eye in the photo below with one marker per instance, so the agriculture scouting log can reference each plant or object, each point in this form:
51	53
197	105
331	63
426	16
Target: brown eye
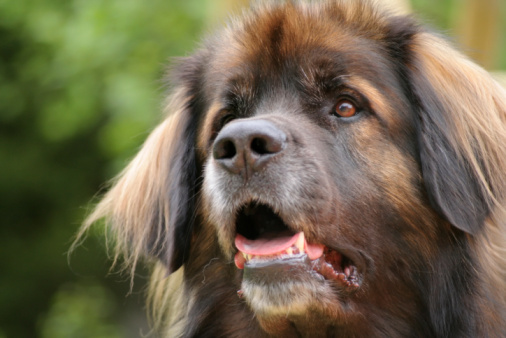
226	119
345	108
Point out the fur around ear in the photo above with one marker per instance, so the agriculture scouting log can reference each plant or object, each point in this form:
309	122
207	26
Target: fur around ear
461	131
150	208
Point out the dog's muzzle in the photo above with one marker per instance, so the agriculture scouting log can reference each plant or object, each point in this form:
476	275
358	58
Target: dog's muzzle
244	147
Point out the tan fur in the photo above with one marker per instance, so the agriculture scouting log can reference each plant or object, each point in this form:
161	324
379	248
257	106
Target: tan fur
165	298
126	206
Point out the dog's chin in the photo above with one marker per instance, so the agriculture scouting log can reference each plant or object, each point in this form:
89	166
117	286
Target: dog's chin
294	285
285	286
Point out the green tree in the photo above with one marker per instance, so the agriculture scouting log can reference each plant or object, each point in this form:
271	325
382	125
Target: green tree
80	87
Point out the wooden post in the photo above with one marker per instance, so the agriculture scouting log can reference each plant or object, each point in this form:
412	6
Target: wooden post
479	28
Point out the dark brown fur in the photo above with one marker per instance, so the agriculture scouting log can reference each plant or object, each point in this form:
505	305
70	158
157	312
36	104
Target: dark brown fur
412	189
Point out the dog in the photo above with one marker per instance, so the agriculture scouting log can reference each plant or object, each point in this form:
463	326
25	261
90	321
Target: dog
325	169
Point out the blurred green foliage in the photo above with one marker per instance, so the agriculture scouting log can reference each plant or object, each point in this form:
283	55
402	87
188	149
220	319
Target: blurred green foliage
485	38
80	88
438	13
81	311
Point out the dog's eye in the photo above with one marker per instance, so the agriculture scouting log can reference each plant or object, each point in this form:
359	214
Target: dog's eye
345	108
227	118
224	119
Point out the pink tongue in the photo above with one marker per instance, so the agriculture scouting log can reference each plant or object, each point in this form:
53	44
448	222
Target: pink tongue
265	246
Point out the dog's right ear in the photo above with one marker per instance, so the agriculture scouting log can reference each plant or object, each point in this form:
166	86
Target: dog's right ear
149	211
461	132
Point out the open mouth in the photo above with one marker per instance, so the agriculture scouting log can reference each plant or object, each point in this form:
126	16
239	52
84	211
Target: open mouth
263	239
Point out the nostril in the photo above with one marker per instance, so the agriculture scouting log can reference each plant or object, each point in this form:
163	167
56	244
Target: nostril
224	149
259	146
268	144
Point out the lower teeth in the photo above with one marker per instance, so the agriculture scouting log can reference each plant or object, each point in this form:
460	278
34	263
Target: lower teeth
328	270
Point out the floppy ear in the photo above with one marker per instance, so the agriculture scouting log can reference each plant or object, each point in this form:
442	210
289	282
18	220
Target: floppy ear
150	208
461	132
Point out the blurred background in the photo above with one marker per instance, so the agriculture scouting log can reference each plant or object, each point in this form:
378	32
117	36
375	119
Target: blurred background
80	89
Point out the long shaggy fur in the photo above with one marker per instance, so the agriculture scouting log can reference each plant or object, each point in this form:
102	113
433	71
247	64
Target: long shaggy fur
428	173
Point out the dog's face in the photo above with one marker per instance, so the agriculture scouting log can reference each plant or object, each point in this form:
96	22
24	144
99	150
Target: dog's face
332	165
309	130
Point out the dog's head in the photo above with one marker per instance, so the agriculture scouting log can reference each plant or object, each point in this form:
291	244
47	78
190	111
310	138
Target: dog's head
321	157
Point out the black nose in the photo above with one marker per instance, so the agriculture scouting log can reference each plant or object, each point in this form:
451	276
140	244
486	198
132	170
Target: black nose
246	146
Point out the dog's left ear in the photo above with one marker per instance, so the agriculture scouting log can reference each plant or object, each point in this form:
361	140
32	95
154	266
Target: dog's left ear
461	126
150	209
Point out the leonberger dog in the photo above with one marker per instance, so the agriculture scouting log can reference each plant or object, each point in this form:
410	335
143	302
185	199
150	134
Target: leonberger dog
325	169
